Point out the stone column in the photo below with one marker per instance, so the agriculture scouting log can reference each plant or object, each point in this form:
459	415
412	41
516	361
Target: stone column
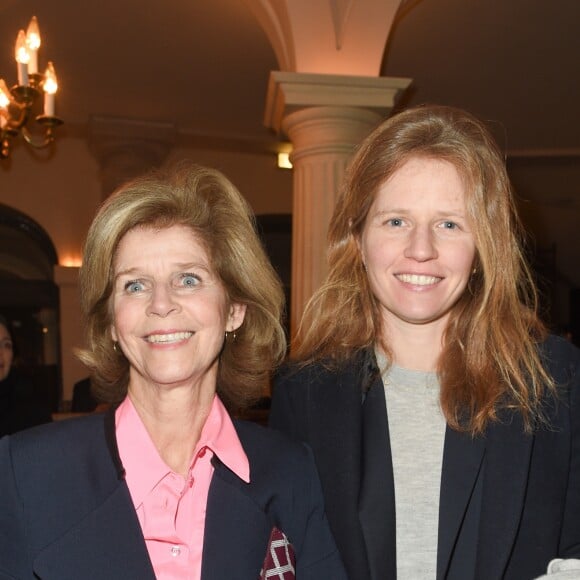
325	117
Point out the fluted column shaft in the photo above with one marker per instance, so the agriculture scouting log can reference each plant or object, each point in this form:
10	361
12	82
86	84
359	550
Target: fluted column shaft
323	140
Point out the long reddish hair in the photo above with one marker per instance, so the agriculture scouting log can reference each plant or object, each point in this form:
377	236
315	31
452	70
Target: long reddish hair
490	353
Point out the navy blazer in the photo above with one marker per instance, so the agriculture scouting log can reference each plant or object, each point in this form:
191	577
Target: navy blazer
66	512
509	503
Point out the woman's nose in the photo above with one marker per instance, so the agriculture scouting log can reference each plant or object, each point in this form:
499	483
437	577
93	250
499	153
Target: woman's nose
162	302
421	244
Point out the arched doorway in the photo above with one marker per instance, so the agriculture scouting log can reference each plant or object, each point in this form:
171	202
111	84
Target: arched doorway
29	299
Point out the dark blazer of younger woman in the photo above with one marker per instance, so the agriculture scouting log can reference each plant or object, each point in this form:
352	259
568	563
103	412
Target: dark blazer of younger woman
510	502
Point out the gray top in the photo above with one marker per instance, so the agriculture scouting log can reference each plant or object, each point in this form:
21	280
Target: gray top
417	434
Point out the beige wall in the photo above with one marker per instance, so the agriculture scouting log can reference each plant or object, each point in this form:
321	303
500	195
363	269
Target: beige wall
267	188
61	193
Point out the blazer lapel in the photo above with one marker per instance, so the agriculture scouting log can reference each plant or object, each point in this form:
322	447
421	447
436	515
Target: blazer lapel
377	499
236	530
462	461
508	455
108	543
334	405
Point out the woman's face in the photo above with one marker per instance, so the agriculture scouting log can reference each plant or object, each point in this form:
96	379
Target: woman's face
170	311
6	352
417	244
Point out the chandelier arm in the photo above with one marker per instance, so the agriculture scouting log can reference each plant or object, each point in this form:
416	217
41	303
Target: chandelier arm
4	147
35	140
19	120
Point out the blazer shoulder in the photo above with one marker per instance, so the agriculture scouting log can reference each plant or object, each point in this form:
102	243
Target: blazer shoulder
293	373
323	372
558	349
72	451
69	433
562	361
279	463
271	448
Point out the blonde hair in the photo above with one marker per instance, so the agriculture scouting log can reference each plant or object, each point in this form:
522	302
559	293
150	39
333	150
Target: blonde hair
205	201
490	357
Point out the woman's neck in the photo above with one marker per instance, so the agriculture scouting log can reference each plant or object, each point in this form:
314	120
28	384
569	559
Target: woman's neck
414	346
174	419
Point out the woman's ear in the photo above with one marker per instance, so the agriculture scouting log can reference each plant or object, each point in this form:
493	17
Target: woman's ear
236	316
114	334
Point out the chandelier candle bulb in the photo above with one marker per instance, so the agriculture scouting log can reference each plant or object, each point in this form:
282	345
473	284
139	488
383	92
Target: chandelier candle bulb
4	95
4	102
22	58
50	87
49	106
33	44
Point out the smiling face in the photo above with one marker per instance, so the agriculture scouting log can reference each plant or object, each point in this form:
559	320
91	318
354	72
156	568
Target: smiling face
417	244
170	310
6	352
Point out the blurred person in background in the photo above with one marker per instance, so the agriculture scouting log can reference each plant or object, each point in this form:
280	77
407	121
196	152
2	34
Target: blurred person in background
444	420
21	406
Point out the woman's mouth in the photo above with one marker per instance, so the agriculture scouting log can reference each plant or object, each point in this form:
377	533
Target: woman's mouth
169	337
418	279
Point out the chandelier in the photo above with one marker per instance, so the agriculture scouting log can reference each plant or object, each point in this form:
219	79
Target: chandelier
22	111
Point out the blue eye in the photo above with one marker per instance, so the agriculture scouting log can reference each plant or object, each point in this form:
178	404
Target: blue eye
395	222
189	280
449	225
133	286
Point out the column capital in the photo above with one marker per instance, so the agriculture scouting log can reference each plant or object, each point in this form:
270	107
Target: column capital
327	130
289	92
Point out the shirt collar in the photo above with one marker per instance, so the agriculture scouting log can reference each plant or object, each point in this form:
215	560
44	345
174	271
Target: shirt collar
144	466
220	436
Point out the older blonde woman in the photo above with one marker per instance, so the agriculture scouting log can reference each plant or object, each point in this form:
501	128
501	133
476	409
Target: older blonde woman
183	317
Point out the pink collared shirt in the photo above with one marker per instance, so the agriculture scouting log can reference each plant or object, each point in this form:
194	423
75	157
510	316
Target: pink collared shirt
171	509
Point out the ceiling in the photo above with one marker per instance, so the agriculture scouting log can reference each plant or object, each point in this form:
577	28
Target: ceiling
202	66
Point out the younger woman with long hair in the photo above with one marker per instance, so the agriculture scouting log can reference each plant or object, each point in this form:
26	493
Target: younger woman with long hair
443	418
